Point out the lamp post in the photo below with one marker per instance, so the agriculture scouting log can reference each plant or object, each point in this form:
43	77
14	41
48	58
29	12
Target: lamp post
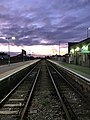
8	53
9	38
87	31
59	52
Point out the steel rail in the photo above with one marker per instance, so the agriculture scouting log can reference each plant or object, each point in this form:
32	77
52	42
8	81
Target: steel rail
60	98
23	113
7	96
69	83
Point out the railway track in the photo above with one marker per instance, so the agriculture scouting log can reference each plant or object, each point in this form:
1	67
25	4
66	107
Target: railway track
76	104
13	104
44	94
45	104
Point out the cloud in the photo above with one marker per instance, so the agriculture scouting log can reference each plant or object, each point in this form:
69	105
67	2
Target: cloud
44	22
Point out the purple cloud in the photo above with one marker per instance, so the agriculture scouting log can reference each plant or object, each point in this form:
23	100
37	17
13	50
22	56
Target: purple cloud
50	20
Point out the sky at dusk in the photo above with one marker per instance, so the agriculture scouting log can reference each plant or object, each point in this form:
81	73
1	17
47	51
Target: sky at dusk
39	25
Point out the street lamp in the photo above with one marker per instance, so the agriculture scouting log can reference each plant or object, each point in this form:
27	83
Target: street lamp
87	31
9	38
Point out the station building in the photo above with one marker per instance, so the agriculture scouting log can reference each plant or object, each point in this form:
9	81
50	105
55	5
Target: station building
79	53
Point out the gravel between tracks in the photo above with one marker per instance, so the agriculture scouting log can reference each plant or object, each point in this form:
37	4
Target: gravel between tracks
45	104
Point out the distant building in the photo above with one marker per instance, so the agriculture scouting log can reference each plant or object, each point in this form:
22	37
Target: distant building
3	58
79	53
3	55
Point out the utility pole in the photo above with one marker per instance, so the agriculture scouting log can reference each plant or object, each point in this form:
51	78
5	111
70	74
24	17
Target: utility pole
59	48
59	52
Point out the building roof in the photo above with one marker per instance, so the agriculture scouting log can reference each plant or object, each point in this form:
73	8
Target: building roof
81	43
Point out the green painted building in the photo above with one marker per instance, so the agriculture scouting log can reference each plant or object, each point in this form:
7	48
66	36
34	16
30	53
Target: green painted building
80	53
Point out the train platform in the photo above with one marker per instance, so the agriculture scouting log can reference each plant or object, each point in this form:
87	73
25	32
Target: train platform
8	70
83	72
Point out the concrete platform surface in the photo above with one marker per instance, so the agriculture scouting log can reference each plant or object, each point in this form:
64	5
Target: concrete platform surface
81	71
6	71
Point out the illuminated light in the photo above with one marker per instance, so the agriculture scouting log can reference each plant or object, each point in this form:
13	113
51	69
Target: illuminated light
83	47
10	38
3	37
7	38
77	49
13	38
89	28
86	48
72	51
